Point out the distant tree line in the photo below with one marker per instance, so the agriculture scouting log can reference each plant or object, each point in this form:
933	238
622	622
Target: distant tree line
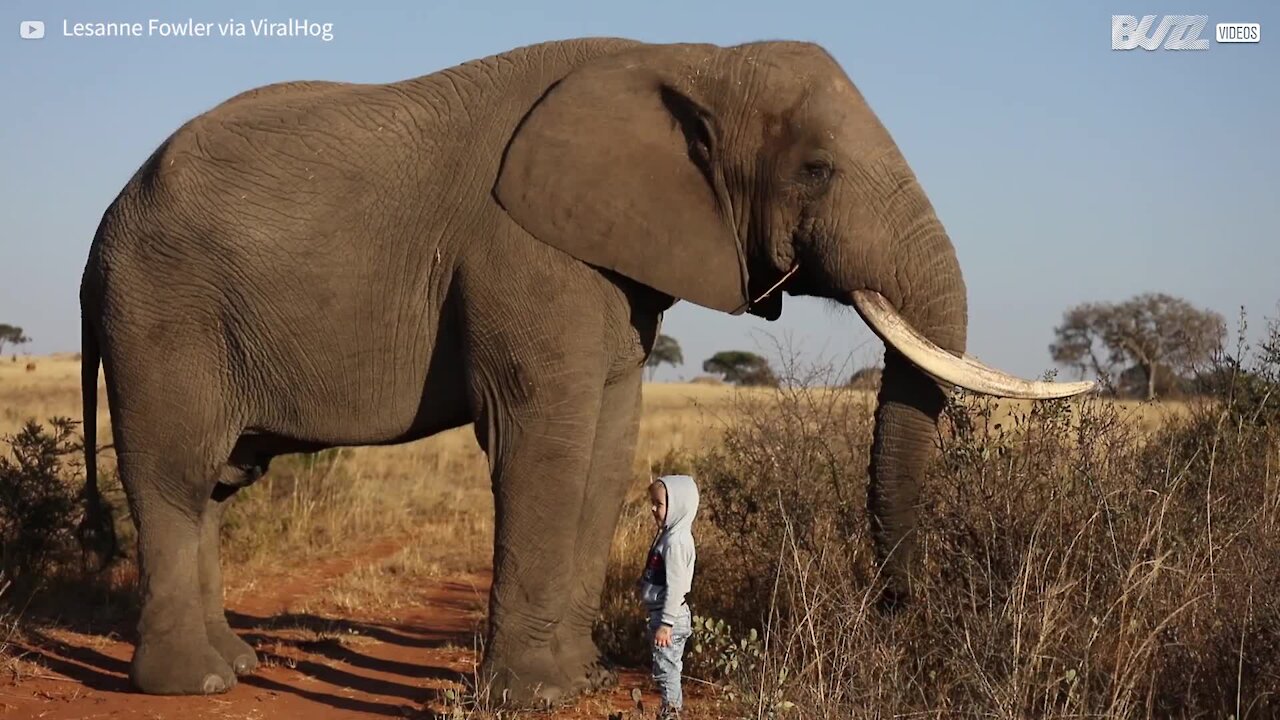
732	366
1150	346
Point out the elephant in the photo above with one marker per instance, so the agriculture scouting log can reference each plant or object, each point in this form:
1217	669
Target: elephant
320	264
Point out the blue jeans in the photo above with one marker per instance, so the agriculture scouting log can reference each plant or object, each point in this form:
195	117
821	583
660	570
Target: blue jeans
668	662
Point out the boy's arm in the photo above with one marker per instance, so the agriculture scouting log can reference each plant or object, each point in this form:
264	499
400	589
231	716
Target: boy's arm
679	561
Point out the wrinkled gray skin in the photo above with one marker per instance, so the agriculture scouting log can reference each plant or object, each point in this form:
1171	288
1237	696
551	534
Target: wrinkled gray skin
315	264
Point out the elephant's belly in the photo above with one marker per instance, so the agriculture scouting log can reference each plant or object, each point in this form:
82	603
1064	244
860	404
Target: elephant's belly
443	404
379	415
383	391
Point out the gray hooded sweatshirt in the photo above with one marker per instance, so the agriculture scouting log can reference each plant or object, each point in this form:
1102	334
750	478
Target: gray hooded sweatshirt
668	571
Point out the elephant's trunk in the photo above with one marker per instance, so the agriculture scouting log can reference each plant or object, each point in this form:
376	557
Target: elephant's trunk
913	297
905	421
928	297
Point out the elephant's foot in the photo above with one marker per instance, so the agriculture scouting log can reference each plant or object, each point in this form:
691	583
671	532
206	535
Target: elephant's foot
183	666
584	665
532	679
597	676
238	653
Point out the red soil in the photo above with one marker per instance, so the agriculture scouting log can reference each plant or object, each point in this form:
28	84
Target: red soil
317	664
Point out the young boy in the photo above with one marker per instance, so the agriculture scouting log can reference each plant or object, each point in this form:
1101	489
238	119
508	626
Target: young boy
668	575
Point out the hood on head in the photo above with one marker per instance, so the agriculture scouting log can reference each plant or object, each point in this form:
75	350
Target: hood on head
682	501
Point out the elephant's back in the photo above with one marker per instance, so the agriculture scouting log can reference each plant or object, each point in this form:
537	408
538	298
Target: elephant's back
321	159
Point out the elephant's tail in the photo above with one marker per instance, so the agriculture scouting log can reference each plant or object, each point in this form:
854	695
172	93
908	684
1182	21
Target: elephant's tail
96	533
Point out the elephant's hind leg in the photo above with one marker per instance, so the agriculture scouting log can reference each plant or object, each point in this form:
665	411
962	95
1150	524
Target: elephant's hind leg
238	653
168	494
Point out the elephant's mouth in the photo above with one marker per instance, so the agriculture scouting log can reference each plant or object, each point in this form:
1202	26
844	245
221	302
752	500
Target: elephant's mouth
967	372
766	302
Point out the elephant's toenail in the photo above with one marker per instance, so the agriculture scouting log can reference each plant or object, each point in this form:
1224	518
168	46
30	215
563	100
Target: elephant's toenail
214	684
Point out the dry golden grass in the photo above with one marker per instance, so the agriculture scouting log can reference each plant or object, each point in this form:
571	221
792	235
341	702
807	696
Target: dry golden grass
677	416
53	388
434	492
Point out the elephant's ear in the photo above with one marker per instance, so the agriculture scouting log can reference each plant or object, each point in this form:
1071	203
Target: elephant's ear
616	167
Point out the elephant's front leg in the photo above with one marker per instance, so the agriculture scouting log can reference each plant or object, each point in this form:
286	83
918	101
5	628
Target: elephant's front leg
540	454
607	482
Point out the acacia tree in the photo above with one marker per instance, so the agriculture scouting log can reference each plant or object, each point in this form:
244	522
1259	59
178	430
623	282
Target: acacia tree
665	350
1153	331
741	368
11	335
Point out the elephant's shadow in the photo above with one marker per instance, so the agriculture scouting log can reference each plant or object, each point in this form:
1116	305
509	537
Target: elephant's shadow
329	646
96	657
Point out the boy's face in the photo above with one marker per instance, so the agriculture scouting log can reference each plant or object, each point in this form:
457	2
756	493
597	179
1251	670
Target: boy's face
658	502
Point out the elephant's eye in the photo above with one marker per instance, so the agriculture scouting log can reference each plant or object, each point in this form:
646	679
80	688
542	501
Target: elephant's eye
817	172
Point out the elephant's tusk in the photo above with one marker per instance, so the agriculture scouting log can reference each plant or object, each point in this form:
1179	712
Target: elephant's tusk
967	372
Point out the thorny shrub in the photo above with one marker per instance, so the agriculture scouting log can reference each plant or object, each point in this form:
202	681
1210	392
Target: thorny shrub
39	504
48	572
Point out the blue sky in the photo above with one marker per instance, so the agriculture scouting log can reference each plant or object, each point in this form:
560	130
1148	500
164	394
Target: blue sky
1064	171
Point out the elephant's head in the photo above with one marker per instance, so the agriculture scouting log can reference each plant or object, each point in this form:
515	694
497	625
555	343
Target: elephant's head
708	173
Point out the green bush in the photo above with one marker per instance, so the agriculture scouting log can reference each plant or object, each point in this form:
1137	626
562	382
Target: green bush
38	504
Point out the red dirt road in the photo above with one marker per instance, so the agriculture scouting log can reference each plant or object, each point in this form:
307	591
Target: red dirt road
317	664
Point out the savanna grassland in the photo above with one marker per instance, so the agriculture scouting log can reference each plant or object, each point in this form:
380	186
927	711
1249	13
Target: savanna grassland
1086	558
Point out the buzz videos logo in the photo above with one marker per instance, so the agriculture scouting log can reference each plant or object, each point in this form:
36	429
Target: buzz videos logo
1176	32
